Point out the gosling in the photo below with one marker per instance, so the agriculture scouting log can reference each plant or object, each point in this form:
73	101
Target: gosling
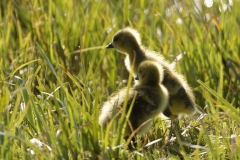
148	99
181	97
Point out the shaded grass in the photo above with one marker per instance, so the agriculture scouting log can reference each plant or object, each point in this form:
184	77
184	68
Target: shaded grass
55	74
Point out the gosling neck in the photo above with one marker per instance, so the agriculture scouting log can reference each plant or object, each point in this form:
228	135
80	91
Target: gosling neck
139	55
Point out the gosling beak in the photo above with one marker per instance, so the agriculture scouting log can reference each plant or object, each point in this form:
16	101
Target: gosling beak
136	78
110	45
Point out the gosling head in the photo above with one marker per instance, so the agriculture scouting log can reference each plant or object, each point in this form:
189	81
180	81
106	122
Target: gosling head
149	73
126	40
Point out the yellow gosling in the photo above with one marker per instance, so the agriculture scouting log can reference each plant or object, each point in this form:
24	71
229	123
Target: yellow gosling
149	99
181	97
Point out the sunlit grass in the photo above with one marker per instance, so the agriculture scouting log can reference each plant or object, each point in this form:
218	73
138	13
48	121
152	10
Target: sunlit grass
55	74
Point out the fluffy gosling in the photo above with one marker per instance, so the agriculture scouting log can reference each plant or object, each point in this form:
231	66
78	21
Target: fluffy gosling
181	97
149	99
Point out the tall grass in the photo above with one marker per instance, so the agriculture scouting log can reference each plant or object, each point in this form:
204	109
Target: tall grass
55	74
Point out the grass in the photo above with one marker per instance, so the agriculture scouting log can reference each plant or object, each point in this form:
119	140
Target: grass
55	74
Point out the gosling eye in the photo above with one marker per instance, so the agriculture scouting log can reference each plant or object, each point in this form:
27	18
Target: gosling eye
115	39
